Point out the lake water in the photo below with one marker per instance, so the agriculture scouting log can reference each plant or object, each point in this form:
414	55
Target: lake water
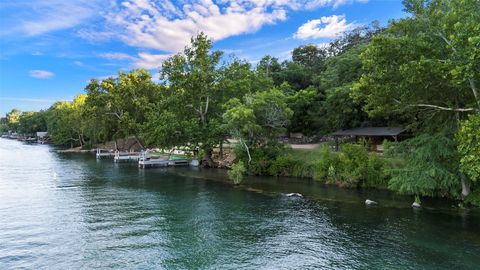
60	211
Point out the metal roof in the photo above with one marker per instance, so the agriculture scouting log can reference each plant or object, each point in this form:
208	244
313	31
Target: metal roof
370	131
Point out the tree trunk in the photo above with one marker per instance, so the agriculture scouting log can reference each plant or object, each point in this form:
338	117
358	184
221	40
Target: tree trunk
221	150
475	93
139	142
246	149
465	185
463	178
207	160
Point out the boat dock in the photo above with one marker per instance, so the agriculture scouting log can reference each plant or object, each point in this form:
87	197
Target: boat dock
103	153
152	161
126	156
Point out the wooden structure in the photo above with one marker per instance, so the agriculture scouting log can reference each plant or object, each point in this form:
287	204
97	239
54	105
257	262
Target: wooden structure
147	160
374	135
103	153
126	156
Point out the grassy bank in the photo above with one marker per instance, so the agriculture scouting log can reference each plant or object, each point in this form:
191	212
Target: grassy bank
352	167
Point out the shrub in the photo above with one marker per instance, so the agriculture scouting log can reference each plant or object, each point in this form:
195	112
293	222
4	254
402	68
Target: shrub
352	167
430	166
326	168
263	157
473	198
237	172
282	165
287	165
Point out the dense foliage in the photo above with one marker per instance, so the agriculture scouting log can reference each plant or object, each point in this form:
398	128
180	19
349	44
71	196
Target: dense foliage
430	166
421	72
352	167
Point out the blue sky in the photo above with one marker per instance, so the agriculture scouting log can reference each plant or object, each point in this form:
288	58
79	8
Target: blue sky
49	49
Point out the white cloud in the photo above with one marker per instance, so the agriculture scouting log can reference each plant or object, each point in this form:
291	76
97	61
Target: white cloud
41	74
150	61
116	56
168	27
325	27
146	24
37	17
95	36
142	60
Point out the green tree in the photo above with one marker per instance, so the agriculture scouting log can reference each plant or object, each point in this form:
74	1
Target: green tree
340	110
32	122
3	124
64	122
310	56
194	96
296	75
271	68
430	166
257	120
13	118
426	65
468	146
425	68
305	105
120	105
237	172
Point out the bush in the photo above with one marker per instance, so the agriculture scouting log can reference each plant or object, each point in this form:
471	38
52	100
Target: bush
282	166
237	172
430	166
325	169
353	167
262	157
288	165
473	198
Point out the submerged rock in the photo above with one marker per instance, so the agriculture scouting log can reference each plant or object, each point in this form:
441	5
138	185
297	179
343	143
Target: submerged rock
294	195
370	202
416	205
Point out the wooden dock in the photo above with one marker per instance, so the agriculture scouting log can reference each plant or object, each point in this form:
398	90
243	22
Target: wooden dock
101	153
146	160
126	156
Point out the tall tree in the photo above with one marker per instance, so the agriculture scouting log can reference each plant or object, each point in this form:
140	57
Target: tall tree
258	119
64	122
192	79
13	117
122	103
271	68
32	122
426	67
310	56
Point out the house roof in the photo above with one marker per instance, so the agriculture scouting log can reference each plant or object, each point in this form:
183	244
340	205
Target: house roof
370	131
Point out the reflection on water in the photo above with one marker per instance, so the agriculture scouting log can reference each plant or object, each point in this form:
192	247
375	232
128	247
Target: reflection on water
70	211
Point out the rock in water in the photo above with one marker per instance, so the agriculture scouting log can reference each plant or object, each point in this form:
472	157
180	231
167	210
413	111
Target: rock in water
370	202
294	195
416	205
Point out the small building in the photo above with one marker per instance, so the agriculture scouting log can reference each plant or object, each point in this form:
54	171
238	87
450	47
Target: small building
373	135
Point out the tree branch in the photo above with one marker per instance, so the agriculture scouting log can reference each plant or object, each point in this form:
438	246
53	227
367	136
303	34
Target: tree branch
442	108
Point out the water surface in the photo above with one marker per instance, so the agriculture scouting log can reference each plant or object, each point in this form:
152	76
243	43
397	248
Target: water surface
60	211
